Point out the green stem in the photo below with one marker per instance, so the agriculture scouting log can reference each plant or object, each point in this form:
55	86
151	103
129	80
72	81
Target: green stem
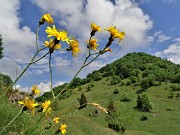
37	37
18	76
31	62
50	71
12	120
40	58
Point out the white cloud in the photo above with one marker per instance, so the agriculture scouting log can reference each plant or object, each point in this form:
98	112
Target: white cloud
172	52
160	37
44	87
78	15
17	42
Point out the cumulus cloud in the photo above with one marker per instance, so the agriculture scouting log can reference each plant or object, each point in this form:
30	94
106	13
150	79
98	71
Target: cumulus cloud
18	42
125	14
44	87
172	52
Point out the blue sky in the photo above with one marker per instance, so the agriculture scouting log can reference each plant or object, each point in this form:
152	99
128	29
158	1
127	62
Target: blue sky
151	26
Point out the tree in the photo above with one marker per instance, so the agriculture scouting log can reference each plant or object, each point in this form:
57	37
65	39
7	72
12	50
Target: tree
83	101
5	80
143	102
1	48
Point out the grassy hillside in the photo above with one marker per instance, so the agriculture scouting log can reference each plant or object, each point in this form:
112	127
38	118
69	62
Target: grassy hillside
164	95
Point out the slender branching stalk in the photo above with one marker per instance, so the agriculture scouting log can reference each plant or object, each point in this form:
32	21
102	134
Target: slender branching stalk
50	71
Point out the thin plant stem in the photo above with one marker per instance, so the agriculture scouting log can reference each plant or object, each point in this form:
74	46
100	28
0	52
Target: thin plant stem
40	58
37	37
50	71
21	73
12	120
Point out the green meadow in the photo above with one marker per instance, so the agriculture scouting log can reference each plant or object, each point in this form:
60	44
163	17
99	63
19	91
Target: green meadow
162	119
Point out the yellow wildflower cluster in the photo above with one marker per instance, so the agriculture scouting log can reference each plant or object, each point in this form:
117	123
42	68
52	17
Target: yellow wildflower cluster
92	43
62	129
29	104
35	90
115	33
46	18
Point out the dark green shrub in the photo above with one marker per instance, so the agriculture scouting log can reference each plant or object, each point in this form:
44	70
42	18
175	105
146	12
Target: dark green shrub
128	82
143	102
175	87
80	88
125	98
144	84
143	118
133	79
113	118
83	101
92	84
88	88
116	91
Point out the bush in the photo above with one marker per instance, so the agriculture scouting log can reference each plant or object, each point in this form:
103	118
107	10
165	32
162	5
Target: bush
128	82
88	88
133	79
117	127
125	98
83	101
116	91
113	118
143	118
175	87
144	84
80	88
143	102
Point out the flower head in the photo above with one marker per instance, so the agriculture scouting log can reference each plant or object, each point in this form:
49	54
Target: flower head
95	28
51	44
62	128
46	18
92	43
108	50
114	32
35	90
120	36
52	31
74	47
62	35
45	105
56	120
29	104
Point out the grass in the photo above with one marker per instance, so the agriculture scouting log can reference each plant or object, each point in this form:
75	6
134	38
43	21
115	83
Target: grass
162	120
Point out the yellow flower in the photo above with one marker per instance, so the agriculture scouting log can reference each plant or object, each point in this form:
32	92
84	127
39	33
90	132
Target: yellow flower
52	31
47	18
74	47
120	35
35	91
45	105
92	43
56	120
28	103
62	128
114	32
95	28
51	45
62	35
